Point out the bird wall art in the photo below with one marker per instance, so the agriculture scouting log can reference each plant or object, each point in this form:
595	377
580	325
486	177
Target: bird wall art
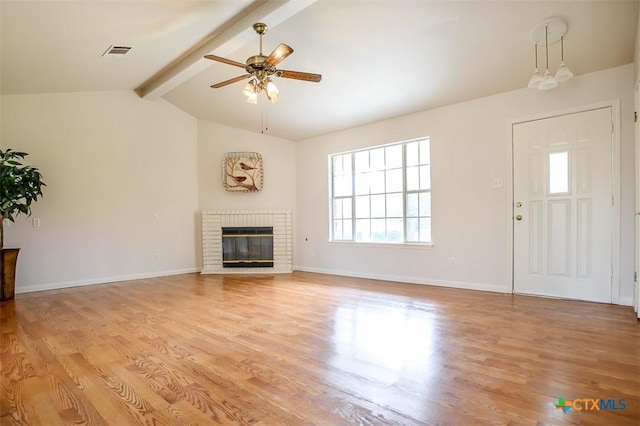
242	171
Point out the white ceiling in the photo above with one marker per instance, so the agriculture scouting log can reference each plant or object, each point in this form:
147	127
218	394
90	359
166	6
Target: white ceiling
379	59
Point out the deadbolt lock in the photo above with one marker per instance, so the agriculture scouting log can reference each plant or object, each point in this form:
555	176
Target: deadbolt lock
518	204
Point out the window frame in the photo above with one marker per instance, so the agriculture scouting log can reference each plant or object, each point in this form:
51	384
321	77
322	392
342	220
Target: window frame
351	234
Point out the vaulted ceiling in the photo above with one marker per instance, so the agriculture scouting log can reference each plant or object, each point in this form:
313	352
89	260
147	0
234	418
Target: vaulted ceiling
378	59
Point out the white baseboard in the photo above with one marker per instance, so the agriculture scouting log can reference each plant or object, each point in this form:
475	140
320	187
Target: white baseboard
104	280
408	279
624	301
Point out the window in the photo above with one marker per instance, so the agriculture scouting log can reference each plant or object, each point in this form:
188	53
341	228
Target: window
382	194
559	173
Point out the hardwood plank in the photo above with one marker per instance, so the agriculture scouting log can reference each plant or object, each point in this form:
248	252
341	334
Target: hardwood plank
310	349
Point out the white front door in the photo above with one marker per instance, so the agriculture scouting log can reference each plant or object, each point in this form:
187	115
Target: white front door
636	283
562	189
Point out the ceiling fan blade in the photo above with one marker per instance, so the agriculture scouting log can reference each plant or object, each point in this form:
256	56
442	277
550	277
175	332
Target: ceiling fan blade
230	81
278	54
297	75
225	60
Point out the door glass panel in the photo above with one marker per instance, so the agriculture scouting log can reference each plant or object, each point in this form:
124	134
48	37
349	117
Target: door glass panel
559	173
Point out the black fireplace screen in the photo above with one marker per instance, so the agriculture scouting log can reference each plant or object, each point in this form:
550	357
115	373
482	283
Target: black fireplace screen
247	247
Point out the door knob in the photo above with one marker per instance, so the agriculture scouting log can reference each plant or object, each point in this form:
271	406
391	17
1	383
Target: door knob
519	217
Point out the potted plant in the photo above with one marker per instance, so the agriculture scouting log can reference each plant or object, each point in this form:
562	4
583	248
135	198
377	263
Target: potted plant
20	185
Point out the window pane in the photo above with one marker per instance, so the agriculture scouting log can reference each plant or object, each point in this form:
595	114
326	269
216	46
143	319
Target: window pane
337	229
363	232
425	204
425	229
362	183
394	157
377	206
413	229
394	180
347	231
559	173
376	157
346	208
377	182
362	207
394	230
337	209
394	205
425	177
412	205
378	230
342	185
337	166
362	161
425	157
413	178
413	156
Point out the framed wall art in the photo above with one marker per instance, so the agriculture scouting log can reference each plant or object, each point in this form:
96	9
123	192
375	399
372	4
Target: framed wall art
242	171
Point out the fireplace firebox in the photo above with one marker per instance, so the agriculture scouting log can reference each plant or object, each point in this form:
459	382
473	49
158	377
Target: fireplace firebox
247	247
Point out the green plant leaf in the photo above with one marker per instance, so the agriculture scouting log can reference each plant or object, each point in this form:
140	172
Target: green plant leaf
20	185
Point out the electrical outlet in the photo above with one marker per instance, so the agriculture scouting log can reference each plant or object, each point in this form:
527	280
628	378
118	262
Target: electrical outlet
452	262
157	256
36	222
156	217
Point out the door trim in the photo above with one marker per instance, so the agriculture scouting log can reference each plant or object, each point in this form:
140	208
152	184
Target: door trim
614	104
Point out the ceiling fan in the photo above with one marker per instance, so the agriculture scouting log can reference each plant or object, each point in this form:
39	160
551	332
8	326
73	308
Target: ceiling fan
261	68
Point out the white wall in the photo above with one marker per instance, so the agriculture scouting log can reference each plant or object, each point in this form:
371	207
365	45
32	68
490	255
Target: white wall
110	161
279	159
471	220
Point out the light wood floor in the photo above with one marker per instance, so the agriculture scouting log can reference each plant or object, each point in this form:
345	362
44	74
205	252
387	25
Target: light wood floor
311	349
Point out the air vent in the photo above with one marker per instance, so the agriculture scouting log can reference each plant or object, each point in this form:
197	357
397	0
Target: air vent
116	50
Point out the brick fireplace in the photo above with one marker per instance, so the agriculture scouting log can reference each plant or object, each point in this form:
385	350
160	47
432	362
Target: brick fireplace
212	248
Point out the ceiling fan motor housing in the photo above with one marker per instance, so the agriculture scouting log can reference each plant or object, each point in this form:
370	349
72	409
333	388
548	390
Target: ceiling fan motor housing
258	63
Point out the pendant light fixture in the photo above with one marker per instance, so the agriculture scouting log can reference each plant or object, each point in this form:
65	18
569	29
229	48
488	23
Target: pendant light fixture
536	78
549	32
563	73
548	82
